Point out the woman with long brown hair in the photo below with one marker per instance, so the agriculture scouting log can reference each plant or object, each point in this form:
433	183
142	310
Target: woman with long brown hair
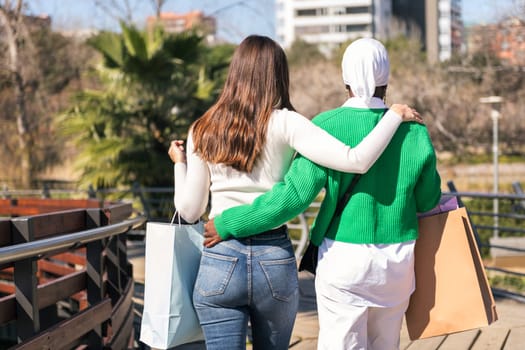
238	150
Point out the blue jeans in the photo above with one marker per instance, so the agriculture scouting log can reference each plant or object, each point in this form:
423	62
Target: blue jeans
245	279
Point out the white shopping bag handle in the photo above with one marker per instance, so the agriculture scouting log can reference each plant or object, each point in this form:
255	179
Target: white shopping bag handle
176	213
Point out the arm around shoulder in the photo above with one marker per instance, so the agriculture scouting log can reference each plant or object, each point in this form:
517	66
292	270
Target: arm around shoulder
316	144
283	202
428	186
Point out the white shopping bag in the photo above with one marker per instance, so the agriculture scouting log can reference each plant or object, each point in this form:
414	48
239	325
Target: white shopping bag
173	253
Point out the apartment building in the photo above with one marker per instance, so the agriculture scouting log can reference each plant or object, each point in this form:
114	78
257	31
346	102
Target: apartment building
504	40
329	23
179	22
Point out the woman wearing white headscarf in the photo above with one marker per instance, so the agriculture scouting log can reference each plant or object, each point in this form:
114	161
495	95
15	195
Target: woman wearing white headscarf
365	274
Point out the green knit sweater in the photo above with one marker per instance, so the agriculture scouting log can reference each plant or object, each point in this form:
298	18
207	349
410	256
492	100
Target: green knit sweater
383	206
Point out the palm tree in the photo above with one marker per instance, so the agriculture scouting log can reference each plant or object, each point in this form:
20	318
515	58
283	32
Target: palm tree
154	86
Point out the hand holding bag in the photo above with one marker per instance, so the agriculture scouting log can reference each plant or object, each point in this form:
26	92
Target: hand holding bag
173	253
452	291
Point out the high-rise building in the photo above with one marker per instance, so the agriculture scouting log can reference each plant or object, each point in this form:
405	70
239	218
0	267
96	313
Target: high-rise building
329	23
409	17
437	23
450	28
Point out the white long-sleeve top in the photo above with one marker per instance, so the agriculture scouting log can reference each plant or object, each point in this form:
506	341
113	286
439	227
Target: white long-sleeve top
287	133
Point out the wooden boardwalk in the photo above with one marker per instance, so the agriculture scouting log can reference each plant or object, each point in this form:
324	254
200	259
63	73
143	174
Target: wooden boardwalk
508	333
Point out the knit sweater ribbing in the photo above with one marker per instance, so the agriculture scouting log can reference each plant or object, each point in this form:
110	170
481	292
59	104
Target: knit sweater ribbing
383	205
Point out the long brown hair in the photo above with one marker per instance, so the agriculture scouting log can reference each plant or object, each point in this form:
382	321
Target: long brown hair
233	130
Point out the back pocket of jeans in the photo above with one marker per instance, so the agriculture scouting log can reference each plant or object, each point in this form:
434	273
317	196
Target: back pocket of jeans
282	277
215	272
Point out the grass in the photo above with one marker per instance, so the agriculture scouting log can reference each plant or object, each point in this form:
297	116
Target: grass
514	284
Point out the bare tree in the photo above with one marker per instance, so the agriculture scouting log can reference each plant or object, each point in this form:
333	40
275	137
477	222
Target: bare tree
157	6
520	7
121	10
14	36
316	87
447	95
38	71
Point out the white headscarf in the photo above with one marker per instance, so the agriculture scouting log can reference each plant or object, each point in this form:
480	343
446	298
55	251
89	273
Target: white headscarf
365	66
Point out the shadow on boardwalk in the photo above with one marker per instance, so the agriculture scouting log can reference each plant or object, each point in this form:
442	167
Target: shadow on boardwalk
508	333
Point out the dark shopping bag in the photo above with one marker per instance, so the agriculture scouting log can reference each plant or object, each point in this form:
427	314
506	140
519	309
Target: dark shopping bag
309	259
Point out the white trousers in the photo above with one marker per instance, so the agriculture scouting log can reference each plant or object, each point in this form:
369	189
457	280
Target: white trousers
362	294
345	327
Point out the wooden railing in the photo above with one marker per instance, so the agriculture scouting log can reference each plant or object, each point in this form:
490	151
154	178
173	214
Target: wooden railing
33	206
65	280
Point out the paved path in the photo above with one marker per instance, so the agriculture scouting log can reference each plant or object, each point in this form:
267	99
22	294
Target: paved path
508	333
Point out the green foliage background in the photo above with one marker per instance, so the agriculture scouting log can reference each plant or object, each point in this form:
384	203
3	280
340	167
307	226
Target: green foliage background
153	85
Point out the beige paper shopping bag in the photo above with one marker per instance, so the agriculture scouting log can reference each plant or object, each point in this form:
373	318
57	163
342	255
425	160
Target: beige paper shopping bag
452	291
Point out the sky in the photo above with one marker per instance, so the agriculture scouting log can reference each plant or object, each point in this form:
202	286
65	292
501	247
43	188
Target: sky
487	11
235	18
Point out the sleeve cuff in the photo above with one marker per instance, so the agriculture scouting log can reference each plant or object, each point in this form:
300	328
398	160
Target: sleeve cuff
398	118
220	226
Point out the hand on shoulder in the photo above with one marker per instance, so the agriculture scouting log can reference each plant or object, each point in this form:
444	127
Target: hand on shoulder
407	113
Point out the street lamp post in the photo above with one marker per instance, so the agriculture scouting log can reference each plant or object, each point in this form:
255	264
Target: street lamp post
495	103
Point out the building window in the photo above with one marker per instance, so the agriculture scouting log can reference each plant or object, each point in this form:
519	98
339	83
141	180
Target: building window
311	12
354	10
306	12
357	10
311	30
357	28
338	11
350	28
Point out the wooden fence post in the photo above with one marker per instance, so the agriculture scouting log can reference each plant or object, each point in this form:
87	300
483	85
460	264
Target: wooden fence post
95	274
26	283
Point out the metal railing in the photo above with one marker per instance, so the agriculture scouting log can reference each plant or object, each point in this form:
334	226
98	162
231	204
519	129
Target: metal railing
491	228
500	235
67	269
16	252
